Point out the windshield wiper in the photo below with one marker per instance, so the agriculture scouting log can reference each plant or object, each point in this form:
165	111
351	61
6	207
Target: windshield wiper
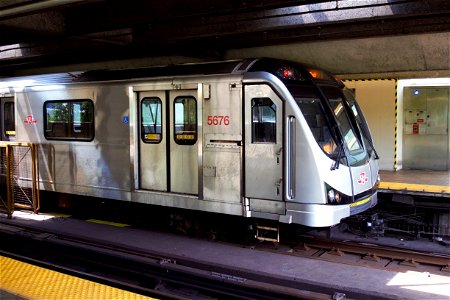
336	163
341	152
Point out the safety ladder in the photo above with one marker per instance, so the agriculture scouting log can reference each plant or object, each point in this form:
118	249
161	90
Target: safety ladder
268	233
19	177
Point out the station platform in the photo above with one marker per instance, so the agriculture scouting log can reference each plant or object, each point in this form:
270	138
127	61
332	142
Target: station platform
20	281
343	278
416	182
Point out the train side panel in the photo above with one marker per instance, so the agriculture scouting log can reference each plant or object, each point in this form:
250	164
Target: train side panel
193	167
99	167
222	149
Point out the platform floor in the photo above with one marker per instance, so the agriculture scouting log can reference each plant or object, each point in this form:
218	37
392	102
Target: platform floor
378	283
424	182
24	281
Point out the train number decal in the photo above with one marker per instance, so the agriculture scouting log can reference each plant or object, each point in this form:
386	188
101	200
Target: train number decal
218	120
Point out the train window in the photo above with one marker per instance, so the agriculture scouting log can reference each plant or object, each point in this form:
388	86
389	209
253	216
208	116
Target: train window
69	120
151	116
311	107
343	117
315	117
264	129
185	116
8	119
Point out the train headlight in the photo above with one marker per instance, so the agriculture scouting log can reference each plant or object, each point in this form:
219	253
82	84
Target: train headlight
334	197
331	195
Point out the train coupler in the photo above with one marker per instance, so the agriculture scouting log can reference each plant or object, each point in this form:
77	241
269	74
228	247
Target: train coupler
373	225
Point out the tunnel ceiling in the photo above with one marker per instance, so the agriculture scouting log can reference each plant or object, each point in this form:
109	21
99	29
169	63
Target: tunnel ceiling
344	36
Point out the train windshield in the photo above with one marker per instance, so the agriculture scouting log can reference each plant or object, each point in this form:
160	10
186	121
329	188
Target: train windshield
309	102
356	152
362	124
321	123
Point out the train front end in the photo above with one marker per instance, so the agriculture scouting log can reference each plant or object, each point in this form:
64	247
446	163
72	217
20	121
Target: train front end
331	170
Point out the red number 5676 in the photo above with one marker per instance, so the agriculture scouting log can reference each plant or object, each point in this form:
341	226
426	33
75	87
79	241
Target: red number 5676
218	120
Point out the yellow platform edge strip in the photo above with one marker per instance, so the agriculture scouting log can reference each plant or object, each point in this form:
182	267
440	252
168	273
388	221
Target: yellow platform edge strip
35	283
60	215
415	187
107	223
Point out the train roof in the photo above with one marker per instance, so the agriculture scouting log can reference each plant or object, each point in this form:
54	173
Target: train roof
210	68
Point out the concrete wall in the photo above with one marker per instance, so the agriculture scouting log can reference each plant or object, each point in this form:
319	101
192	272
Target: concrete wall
377	99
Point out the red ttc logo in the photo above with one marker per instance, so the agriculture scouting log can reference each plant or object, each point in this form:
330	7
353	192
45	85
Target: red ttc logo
30	120
363	178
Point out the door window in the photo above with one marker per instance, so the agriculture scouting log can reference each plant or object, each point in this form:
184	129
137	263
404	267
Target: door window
8	119
264	119
185	116
151	116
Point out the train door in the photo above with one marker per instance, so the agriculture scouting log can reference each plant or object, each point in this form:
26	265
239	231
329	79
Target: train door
183	142
7	119
263	143
168	159
153	143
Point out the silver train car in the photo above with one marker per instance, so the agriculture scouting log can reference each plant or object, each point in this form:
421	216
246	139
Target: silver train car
260	138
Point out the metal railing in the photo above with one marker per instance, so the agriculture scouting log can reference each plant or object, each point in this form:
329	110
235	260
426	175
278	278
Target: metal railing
19	177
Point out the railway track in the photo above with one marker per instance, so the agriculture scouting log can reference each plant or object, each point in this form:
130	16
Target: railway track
377	253
152	274
146	272
364	254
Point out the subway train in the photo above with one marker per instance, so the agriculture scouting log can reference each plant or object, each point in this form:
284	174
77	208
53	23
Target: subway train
258	138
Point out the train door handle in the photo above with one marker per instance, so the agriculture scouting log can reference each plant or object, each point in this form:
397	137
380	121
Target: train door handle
278	186
278	154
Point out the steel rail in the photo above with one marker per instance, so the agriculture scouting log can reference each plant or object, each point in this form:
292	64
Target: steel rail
410	257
